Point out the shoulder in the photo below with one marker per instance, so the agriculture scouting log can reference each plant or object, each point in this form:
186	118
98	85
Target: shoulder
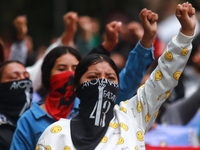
26	115
56	127
30	114
58	131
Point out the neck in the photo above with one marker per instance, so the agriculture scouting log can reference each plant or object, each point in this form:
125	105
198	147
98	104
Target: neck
43	108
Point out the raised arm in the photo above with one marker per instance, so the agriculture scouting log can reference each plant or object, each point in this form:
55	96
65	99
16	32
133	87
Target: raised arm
140	58
144	106
138	62
85	36
111	39
67	38
70	20
18	47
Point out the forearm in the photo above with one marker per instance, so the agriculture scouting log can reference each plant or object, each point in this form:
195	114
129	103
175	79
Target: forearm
108	45
162	80
67	38
166	75
147	40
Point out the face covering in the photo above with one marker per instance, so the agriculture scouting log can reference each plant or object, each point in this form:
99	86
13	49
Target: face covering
15	98
95	112
61	97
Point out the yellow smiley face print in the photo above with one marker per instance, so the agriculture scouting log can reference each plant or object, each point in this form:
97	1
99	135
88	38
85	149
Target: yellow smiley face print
125	127
104	139
158	75
136	148
48	147
139	109
56	129
177	75
140	136
167	94
142	85
126	101
37	147
67	148
159	97
121	141
168	56
148	116
113	125
184	51
123	109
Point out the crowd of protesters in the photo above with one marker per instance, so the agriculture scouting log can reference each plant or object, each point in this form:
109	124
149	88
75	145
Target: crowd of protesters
39	88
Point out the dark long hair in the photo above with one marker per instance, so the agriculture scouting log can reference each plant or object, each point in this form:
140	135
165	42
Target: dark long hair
50	60
89	60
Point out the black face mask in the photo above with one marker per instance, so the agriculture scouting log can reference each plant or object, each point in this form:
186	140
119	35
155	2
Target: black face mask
15	98
95	112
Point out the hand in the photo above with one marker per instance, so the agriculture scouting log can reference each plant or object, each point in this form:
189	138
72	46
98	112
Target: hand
70	21
136	31
149	23
20	24
185	15
112	33
85	25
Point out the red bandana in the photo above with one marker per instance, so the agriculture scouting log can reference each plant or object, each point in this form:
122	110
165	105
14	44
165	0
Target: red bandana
61	97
